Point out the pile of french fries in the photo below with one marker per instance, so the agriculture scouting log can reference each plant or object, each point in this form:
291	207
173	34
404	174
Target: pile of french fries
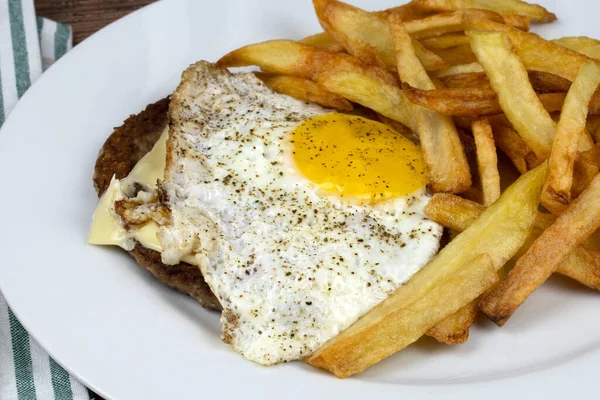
508	124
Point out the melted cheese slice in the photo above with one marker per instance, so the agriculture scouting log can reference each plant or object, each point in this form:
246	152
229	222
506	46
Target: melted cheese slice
107	228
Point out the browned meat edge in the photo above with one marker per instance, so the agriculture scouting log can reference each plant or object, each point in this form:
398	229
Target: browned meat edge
119	154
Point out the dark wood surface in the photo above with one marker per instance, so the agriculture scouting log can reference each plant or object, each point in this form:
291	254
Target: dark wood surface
87	16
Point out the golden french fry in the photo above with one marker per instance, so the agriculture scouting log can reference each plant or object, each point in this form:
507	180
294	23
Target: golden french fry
473	194
571	126
407	12
324	40
442	149
453	212
581	44
571	228
582	265
431	61
536	53
520	22
487	161
544	82
456	213
585	169
472	75
455	328
368	85
473	102
511	144
461	69
450	22
440	289
458	55
593	126
517	98
305	90
534	12
366	35
368	342
445	41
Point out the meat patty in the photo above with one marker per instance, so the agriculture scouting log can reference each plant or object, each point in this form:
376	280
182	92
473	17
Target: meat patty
119	154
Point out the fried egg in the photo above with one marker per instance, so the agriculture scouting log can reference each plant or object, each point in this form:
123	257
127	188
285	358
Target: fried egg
300	219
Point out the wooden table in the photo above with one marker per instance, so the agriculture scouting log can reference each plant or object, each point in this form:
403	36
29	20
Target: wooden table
86	17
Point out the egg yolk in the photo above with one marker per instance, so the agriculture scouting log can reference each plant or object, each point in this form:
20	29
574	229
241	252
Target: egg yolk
356	157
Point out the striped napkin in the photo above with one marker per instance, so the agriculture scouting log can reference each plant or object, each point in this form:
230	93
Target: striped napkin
28	45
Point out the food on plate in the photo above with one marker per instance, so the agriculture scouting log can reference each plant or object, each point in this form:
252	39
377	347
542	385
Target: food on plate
442	149
135	144
456	213
368	85
569	134
508	77
275	236
581	44
505	7
303	89
307	200
479	101
462	271
487	161
455	328
571	228
366	35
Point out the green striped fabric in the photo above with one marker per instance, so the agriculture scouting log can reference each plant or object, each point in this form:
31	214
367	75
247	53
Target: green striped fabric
28	46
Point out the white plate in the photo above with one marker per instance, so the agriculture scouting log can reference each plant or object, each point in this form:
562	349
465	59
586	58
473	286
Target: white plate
128	337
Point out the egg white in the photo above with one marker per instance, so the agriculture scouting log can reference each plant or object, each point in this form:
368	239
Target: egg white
292	266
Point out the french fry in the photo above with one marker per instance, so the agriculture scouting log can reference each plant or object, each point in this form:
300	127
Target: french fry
571	228
585	169
536	53
473	194
339	73
581	44
520	22
407	12
431	61
474	102
487	161
323	40
544	82
593	127
453	212
450	22
511	144
455	328
461	69
517	98
571	126
534	12
456	213
445	41
440	289
472	75
458	55
303	89
365	35
442	149
363	345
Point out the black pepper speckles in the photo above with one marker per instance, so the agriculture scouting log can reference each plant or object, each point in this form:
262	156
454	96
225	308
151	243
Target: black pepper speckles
286	252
